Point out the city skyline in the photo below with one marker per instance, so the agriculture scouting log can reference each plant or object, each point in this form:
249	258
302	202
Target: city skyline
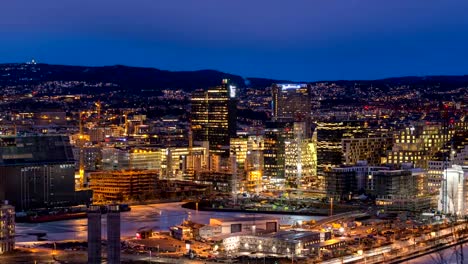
298	41
227	131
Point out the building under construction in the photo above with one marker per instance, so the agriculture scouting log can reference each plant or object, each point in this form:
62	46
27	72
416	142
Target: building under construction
123	185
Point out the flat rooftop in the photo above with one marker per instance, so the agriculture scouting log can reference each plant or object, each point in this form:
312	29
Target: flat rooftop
246	219
292	235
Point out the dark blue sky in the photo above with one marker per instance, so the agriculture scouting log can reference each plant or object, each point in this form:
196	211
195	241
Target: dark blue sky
294	39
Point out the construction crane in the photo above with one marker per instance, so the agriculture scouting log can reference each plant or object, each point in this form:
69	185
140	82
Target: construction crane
98	110
80	146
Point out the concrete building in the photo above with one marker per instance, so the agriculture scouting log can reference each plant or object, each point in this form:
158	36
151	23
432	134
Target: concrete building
285	243
342	183
94	234
454	154
246	224
401	189
113	234
454	191
417	143
371	149
7	228
37	171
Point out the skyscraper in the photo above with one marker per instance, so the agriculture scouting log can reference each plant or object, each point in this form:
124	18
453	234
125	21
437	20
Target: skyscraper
289	155
213	117
292	102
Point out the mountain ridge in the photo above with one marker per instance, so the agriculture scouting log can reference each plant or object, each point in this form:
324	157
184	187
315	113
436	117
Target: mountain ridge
132	78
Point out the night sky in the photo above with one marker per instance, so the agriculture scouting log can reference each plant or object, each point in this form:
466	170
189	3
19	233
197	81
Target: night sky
288	39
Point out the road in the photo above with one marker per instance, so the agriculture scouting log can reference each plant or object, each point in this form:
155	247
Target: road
155	216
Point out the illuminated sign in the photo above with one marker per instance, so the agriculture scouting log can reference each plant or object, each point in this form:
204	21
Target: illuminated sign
288	86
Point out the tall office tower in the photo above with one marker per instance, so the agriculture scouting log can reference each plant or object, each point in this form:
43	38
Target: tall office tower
292	102
213	117
300	162
329	143
37	171
113	234
94	234
7	228
274	152
289	155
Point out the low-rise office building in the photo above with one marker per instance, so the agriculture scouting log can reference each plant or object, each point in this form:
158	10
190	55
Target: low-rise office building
246	224
299	243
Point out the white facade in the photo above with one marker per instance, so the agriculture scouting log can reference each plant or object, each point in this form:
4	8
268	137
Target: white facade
209	231
454	191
